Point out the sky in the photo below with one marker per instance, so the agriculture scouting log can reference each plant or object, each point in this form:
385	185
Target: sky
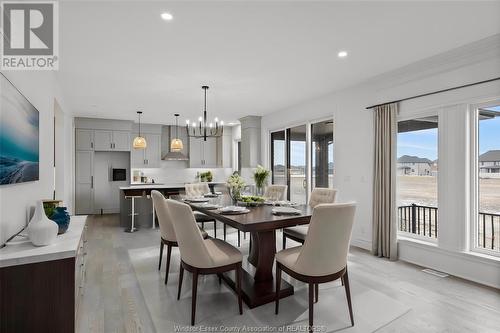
424	143
298	152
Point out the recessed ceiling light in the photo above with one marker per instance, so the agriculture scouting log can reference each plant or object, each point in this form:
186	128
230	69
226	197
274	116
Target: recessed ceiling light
166	16
342	54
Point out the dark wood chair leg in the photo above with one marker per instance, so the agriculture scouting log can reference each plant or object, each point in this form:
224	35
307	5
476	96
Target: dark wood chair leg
238	287
284	241
215	229
161	254
239	242
224	231
316	292
220	278
342	280
203	225
181	276
278	288
348	294
311	305
193	301
169	253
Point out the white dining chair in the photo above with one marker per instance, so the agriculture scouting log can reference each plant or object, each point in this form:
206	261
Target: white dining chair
276	192
318	196
196	190
323	256
167	232
202	256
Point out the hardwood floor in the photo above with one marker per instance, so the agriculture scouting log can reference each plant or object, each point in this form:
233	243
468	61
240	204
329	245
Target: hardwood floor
113	301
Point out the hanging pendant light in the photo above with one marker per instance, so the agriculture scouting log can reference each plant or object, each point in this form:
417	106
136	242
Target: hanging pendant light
139	141
203	129
176	143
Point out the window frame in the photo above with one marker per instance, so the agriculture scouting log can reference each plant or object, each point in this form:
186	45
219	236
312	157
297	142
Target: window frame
408	235
473	230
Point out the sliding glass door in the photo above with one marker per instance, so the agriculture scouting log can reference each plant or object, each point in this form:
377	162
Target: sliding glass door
322	154
300	155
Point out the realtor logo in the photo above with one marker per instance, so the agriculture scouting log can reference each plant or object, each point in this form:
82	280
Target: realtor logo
30	35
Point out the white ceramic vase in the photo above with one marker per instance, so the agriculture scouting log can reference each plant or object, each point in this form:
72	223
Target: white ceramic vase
41	230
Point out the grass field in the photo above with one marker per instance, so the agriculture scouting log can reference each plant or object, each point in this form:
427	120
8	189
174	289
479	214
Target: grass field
423	191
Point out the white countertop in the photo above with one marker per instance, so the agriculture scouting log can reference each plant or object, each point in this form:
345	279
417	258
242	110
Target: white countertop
159	186
21	251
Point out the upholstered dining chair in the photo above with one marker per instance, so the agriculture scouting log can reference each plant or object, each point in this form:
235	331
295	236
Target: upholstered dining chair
323	257
195	190
318	196
166	229
276	192
202	256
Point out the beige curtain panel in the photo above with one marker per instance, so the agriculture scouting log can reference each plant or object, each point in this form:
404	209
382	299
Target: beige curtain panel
384	186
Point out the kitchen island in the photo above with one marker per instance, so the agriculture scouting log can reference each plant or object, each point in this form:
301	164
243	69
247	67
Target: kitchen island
143	203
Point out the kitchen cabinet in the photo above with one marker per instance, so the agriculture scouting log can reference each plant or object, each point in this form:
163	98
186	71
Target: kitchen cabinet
84	189
105	140
149	157
204	154
84	139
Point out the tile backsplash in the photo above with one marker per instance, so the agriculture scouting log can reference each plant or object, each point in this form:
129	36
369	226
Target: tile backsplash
176	172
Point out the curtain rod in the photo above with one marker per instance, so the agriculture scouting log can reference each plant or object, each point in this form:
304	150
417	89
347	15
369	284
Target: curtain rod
434	92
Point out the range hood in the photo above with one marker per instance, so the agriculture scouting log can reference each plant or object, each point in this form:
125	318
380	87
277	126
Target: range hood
167	134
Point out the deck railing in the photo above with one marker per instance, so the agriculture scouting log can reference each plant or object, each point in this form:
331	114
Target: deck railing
423	220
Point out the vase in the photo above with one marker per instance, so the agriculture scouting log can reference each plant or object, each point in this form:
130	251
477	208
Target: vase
41	230
235	195
259	190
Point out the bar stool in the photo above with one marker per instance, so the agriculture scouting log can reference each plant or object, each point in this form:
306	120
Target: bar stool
149	196
132	195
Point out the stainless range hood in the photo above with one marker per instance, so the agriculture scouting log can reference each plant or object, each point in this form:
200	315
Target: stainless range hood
167	134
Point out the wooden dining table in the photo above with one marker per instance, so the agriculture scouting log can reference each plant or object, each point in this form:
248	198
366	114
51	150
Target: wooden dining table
259	288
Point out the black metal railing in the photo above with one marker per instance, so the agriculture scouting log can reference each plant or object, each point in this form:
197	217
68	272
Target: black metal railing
491	222
423	220
420	220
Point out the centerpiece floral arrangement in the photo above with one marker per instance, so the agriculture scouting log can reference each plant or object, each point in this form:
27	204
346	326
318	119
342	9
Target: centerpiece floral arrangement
235	183
260	176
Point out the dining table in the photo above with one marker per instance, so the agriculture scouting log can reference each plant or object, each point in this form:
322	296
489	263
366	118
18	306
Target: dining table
258	286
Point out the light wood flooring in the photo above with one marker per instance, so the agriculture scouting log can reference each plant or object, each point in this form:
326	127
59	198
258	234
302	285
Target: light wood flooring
113	301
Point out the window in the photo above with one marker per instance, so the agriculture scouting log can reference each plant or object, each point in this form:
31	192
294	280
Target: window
487	226
417	187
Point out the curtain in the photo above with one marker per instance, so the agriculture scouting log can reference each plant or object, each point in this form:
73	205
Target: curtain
384	187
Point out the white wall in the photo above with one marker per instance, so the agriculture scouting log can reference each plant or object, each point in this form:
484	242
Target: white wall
41	89
353	136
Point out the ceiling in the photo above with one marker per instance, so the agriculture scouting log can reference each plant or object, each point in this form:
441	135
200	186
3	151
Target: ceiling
257	57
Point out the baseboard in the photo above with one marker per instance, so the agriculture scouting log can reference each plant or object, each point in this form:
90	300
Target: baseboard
464	265
362	243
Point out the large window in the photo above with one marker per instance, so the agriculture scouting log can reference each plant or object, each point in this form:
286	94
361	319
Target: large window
487	228
417	170
301	154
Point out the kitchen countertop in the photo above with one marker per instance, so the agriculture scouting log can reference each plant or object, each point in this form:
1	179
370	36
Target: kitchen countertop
160	186
20	250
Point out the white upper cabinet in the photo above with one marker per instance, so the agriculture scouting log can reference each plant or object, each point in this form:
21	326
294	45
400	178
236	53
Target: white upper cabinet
112	140
121	141
149	157
84	139
204	154
103	140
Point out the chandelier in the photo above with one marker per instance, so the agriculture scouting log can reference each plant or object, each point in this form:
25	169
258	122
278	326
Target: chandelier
202	128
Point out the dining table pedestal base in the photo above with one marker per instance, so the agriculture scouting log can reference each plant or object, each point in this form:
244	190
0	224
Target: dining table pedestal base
257	293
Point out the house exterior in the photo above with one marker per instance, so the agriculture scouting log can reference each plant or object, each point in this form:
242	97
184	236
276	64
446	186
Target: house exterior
489	164
414	166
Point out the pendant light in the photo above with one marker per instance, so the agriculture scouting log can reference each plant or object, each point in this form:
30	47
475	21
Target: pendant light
202	128
176	143
139	141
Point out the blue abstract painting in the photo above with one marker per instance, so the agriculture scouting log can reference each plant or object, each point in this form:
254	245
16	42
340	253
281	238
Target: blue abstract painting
19	136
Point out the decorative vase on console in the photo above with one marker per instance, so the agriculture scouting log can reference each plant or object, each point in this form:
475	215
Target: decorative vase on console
41	230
